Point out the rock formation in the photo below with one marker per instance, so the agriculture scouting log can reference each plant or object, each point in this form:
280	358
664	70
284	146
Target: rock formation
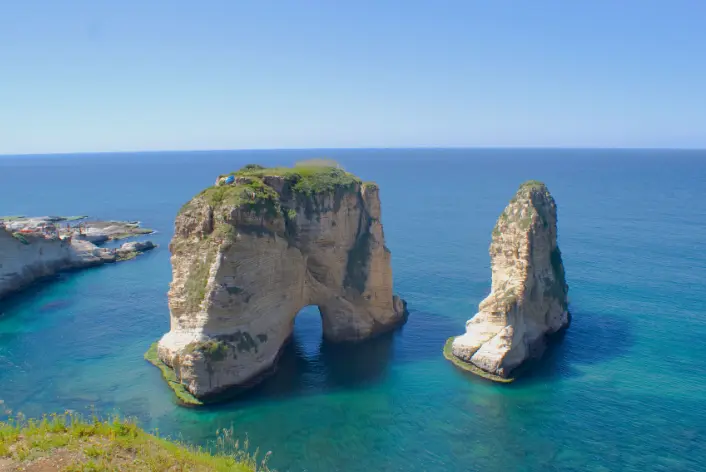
528	298
29	251
96	232
251	251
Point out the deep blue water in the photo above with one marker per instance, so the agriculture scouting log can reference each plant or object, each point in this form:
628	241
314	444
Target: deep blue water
624	390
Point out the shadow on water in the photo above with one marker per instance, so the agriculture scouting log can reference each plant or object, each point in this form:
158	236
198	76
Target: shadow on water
333	367
591	339
424	335
309	365
55	305
16	301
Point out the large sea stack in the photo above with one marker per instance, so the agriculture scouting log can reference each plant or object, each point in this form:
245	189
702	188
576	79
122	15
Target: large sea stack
529	294
254	249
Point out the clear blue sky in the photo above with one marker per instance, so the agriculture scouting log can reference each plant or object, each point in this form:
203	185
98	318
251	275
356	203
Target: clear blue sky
120	75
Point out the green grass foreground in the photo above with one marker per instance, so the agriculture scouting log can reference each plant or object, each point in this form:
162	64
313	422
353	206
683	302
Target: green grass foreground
179	389
70	443
468	367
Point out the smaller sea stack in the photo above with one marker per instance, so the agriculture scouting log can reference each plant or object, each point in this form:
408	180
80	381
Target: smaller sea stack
529	294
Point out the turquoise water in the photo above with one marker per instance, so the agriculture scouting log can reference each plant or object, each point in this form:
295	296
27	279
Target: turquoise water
625	389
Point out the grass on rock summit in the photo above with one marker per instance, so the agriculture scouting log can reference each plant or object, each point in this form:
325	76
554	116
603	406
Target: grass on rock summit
305	179
528	190
533	185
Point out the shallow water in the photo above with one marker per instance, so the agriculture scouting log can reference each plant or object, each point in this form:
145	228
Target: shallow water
625	389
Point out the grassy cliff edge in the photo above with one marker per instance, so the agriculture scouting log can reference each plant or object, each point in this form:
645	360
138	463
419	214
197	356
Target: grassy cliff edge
70	443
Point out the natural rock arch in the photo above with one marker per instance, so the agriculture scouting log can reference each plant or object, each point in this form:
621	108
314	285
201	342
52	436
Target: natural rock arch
253	250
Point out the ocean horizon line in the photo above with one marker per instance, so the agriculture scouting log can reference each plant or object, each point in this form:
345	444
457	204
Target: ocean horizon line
365	148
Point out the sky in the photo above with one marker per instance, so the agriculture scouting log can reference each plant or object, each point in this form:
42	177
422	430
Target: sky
131	75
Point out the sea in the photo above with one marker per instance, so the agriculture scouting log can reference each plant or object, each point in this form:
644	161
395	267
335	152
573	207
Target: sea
623	390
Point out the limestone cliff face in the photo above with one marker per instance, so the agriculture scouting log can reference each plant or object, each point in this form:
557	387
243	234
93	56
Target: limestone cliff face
247	256
529	294
27	258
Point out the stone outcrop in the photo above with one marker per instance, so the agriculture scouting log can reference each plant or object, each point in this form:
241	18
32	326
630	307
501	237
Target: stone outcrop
26	258
78	227
253	250
529	294
132	249
35	253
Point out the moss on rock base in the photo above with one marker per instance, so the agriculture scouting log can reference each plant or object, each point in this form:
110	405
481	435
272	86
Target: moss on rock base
126	256
180	390
468	367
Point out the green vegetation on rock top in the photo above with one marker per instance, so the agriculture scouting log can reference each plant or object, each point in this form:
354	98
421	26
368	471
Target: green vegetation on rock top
533	184
307	177
113	444
252	195
534	191
134	231
251	192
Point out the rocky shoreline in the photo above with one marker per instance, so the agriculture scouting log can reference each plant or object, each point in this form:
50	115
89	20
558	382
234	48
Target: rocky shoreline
469	367
33	248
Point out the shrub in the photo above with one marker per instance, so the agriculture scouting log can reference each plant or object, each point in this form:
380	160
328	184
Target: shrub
253	167
198	280
308	178
252	195
213	350
533	184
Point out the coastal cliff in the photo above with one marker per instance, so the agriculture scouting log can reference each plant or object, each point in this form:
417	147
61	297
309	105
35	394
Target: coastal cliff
26	258
529	294
31	249
251	251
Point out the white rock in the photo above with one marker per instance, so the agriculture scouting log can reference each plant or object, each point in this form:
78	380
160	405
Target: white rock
240	278
529	295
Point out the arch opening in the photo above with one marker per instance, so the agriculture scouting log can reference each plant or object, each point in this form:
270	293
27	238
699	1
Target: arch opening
307	335
311	364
